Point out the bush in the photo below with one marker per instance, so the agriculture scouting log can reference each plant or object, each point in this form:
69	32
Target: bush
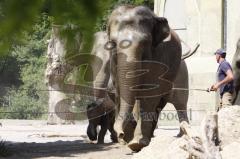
27	101
22	106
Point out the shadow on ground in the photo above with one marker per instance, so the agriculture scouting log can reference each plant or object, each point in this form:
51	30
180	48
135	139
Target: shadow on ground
55	149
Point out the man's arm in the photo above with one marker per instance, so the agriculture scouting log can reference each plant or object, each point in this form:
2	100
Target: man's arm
227	79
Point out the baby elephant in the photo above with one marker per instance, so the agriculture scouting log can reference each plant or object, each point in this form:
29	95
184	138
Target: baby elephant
101	115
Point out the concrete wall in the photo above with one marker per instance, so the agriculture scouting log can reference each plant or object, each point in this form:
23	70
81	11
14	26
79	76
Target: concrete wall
203	21
233	26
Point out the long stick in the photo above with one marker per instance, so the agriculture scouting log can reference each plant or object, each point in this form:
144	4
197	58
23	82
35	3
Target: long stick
193	89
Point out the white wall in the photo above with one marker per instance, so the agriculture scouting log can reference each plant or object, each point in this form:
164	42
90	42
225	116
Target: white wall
233	26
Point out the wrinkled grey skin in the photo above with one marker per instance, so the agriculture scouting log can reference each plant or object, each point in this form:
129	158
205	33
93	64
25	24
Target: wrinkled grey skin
102	80
139	35
236	73
103	116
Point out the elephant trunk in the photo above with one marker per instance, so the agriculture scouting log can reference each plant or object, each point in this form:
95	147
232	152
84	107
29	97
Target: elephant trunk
127	79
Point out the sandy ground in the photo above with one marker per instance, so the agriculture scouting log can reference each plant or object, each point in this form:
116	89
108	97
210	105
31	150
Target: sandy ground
34	139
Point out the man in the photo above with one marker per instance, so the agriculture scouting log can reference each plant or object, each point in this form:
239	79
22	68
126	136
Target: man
225	79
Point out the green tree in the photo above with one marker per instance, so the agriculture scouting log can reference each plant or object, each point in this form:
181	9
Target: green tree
17	16
29	99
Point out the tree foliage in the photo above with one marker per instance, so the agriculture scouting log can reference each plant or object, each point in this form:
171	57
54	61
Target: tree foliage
17	16
28	101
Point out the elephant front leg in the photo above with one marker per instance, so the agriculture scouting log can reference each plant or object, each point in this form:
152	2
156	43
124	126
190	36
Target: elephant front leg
92	132
111	117
145	125
103	131
124	117
113	133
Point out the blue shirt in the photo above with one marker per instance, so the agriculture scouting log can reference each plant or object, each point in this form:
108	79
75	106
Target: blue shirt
224	66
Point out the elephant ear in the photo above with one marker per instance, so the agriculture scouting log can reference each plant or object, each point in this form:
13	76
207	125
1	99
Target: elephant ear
161	30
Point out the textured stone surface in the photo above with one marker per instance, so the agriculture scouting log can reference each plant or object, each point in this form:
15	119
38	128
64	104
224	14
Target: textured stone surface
168	147
229	125
231	151
163	147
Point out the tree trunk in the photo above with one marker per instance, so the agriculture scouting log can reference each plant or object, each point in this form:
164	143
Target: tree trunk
57	69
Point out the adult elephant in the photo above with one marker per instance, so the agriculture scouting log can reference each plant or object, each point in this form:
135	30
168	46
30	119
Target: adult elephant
145	65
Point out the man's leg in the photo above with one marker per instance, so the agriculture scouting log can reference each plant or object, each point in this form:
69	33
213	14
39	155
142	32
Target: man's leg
227	99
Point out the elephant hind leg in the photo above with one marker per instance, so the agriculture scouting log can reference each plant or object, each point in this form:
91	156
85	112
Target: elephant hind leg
179	100
159	108
113	135
182	116
101	135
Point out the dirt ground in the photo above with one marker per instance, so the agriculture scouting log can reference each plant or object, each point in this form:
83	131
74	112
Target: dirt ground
34	139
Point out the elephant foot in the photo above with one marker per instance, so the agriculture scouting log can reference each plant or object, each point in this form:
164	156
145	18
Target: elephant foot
137	146
180	134
100	142
114	138
118	128
122	141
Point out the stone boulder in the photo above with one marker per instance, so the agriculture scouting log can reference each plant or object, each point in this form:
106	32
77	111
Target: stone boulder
163	147
231	151
169	147
229	125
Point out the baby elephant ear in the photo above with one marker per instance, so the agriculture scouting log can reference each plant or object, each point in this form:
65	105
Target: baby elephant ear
161	30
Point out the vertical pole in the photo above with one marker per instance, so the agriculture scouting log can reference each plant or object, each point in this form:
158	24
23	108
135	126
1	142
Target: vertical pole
224	24
159	6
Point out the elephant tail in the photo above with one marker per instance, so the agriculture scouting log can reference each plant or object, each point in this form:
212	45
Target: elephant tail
189	53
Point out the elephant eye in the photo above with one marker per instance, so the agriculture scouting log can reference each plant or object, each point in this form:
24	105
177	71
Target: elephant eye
110	45
125	44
